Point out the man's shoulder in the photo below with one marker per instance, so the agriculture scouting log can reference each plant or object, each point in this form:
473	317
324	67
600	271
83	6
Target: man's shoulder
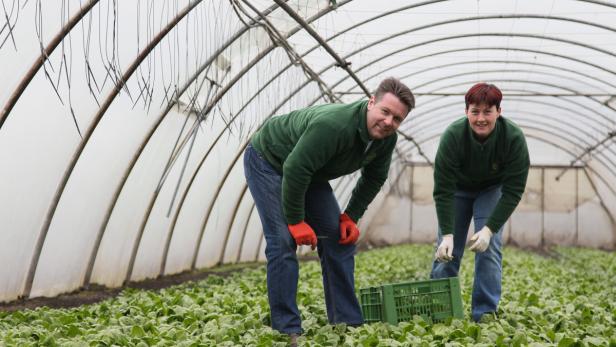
338	116
338	110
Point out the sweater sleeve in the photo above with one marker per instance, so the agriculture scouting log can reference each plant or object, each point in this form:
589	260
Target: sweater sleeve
372	178
446	164
313	149
514	182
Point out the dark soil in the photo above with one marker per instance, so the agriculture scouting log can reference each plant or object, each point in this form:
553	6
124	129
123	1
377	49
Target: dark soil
95	293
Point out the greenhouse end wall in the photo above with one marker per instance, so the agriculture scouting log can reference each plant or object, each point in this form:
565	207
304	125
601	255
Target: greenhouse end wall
551	212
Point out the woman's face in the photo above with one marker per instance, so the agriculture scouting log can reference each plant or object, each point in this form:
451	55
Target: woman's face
482	119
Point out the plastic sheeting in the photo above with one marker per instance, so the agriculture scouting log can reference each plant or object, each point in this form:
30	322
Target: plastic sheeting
123	123
567	212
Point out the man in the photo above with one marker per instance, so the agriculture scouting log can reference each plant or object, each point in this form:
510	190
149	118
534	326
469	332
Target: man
288	165
480	172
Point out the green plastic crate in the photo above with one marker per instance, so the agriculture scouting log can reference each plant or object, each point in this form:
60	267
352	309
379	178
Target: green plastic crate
434	300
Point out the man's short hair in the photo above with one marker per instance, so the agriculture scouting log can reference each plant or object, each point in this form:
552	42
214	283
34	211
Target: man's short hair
483	93
397	88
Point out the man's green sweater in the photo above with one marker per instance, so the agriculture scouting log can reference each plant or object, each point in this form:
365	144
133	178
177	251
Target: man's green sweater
320	143
463	163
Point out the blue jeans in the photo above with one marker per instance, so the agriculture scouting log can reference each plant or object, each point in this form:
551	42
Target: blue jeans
322	213
488	265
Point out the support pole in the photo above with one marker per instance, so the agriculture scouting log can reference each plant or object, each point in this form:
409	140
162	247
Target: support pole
339	61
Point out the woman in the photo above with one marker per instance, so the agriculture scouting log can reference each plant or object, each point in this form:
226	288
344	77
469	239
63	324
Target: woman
480	172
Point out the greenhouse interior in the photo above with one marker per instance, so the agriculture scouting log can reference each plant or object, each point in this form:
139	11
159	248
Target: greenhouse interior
127	216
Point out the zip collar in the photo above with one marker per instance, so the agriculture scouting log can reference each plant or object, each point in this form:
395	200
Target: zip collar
491	137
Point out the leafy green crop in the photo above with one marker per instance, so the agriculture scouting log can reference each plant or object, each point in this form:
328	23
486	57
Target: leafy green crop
566	300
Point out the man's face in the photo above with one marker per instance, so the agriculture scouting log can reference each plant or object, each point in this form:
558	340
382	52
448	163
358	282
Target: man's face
482	119
384	116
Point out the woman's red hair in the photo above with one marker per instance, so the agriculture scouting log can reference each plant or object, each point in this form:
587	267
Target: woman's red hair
483	93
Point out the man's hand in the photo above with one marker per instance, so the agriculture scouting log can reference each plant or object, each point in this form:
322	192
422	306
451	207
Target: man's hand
303	234
444	252
482	240
349	233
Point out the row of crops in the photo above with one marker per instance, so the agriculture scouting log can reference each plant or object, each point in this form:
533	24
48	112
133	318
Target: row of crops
564	299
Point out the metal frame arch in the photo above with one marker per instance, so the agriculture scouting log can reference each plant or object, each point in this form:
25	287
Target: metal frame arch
523	100
232	221
368	20
601	116
213	199
527	101
418	45
493	34
541	139
504	62
598	2
185	193
534	101
525	123
371	44
339	60
565	130
219	95
495	48
506	72
453	37
226	174
599	156
220	185
223	181
420	119
433	137
574	92
87	135
569	101
46	52
404	8
523	120
487	17
147	138
441	120
244	230
145	141
545	84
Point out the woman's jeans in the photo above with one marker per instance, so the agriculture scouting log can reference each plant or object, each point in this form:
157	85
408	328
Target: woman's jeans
322	213
488	265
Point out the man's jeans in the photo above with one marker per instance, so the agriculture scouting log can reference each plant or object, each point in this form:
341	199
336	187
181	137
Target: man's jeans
322	213
488	265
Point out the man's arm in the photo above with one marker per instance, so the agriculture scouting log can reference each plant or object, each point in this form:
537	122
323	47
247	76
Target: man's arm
370	182
315	147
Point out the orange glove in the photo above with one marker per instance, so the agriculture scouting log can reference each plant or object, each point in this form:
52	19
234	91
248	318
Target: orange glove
349	233
303	234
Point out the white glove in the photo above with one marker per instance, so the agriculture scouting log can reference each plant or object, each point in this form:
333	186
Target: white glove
482	240
444	252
